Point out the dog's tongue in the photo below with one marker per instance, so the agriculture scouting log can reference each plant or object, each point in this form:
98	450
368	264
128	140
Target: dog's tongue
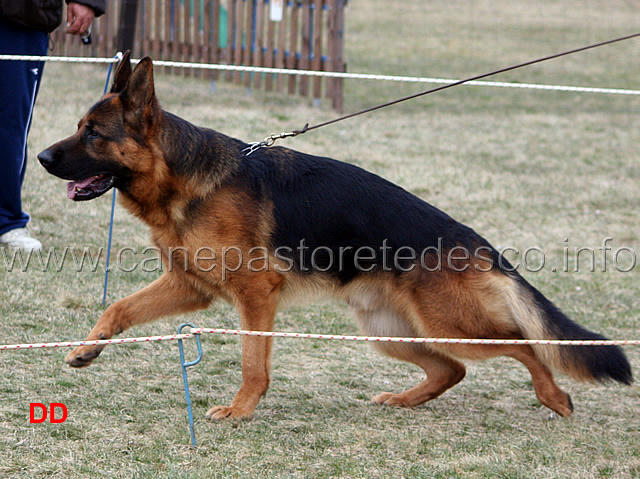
72	185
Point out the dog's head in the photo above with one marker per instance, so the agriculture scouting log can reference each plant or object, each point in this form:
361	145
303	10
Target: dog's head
111	144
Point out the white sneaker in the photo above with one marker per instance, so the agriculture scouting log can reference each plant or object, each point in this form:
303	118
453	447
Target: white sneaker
20	238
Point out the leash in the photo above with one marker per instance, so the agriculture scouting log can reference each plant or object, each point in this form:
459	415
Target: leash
270	140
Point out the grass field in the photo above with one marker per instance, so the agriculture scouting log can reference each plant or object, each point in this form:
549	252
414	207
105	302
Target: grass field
551	170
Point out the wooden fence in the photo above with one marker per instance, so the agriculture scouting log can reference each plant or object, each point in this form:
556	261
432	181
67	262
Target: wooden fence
298	34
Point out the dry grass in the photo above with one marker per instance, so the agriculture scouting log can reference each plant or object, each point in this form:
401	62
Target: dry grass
524	168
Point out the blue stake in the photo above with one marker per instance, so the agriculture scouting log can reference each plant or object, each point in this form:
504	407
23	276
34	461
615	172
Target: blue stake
185	365
106	270
113	207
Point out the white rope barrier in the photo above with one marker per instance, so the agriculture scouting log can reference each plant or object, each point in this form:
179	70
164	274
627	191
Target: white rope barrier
97	342
335	337
313	73
35	58
392	339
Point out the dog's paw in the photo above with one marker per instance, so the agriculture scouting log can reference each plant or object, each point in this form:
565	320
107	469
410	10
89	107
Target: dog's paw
83	356
218	413
564	410
390	399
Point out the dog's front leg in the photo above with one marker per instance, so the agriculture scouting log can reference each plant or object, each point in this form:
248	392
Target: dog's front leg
257	309
169	294
256	354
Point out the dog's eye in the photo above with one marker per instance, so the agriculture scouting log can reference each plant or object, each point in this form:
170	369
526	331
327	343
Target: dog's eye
91	132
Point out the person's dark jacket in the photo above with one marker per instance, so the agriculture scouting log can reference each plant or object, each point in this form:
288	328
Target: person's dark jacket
43	15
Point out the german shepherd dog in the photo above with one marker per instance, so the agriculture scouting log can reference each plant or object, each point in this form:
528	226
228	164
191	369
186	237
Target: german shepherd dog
265	229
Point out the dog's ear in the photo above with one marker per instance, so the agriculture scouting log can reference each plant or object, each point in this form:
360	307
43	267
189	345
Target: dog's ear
138	95
122	73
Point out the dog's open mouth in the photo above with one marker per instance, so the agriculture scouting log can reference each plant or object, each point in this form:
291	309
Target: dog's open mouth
89	188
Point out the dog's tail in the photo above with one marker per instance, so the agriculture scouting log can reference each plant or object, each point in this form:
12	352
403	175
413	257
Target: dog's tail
539	318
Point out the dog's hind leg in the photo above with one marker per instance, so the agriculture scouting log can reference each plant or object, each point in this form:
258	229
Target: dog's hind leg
442	373
546	389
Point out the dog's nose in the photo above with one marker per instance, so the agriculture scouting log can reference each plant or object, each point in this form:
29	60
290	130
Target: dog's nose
46	158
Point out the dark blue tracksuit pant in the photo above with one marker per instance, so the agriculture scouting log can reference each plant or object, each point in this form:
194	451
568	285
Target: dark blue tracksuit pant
19	83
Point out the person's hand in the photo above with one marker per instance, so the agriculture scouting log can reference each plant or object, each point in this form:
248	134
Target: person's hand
79	18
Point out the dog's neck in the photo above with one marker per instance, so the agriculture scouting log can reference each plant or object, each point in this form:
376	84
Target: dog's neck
190	151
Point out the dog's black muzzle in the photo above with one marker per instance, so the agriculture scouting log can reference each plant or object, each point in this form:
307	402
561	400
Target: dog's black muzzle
47	158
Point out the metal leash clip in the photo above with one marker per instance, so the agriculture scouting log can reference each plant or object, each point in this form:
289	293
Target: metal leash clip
270	140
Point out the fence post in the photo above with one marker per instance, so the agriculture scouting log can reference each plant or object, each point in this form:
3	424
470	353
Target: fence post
336	34
127	27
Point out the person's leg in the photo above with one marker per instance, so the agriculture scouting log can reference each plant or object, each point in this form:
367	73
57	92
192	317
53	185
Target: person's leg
19	83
